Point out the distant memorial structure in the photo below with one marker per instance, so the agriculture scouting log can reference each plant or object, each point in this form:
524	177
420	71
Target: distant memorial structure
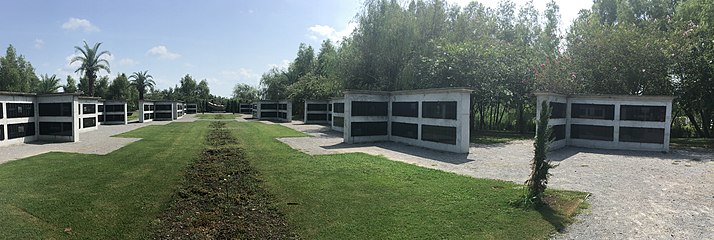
609	121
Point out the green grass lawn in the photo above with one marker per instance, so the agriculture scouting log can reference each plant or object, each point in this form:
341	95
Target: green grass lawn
134	116
116	196
495	137
121	195
356	195
688	143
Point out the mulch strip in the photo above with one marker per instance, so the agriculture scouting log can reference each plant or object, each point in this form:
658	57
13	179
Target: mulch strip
222	198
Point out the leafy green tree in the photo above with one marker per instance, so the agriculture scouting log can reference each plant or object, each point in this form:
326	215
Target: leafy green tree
312	87
120	88
245	93
621	59
550	37
16	74
101	87
274	84
141	81
83	85
188	88
326	59
692	48
71	86
303	64
91	63
48	84
202	90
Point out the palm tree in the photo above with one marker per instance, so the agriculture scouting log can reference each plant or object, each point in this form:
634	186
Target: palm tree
92	63
48	84
142	80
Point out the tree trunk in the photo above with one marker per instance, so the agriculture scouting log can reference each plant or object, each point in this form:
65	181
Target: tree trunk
482	120
520	122
706	123
91	77
501	114
693	120
490	116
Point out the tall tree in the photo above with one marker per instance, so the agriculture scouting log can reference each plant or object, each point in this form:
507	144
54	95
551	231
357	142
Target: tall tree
91	63
303	64
274	84
16	74
101	87
693	51
550	38
48	84
121	89
187	88
202	90
71	86
617	56
245	93
141	81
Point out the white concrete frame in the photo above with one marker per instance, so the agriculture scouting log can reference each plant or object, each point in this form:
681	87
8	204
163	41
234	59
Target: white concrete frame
6	98
617	101
461	96
82	115
326	112
258	111
171	111
142	110
104	113
365	96
75	102
245	108
178	110
191	108
335	114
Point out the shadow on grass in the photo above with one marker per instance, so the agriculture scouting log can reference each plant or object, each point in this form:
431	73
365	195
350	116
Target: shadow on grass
560	207
551	215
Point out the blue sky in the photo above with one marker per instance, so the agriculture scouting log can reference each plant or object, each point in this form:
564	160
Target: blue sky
223	41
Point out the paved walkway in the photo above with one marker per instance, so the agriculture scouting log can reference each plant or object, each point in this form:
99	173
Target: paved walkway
99	141
635	195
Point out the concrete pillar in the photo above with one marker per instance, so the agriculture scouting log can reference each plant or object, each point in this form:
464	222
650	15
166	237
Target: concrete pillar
616	124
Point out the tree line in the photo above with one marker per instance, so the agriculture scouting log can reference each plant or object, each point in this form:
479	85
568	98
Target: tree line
504	54
18	75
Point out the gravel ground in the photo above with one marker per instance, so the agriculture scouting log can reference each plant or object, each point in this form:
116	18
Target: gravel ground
93	142
635	195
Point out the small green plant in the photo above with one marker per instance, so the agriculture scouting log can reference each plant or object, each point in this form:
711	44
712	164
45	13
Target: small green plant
538	180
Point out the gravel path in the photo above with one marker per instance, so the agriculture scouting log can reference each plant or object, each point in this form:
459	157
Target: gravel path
635	195
93	142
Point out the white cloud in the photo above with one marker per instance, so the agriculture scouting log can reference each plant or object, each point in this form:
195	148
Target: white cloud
282	65
72	65
127	62
242	75
319	32
39	43
162	52
77	23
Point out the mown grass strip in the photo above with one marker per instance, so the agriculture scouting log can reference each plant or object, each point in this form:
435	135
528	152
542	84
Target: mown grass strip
358	196
82	196
221	198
